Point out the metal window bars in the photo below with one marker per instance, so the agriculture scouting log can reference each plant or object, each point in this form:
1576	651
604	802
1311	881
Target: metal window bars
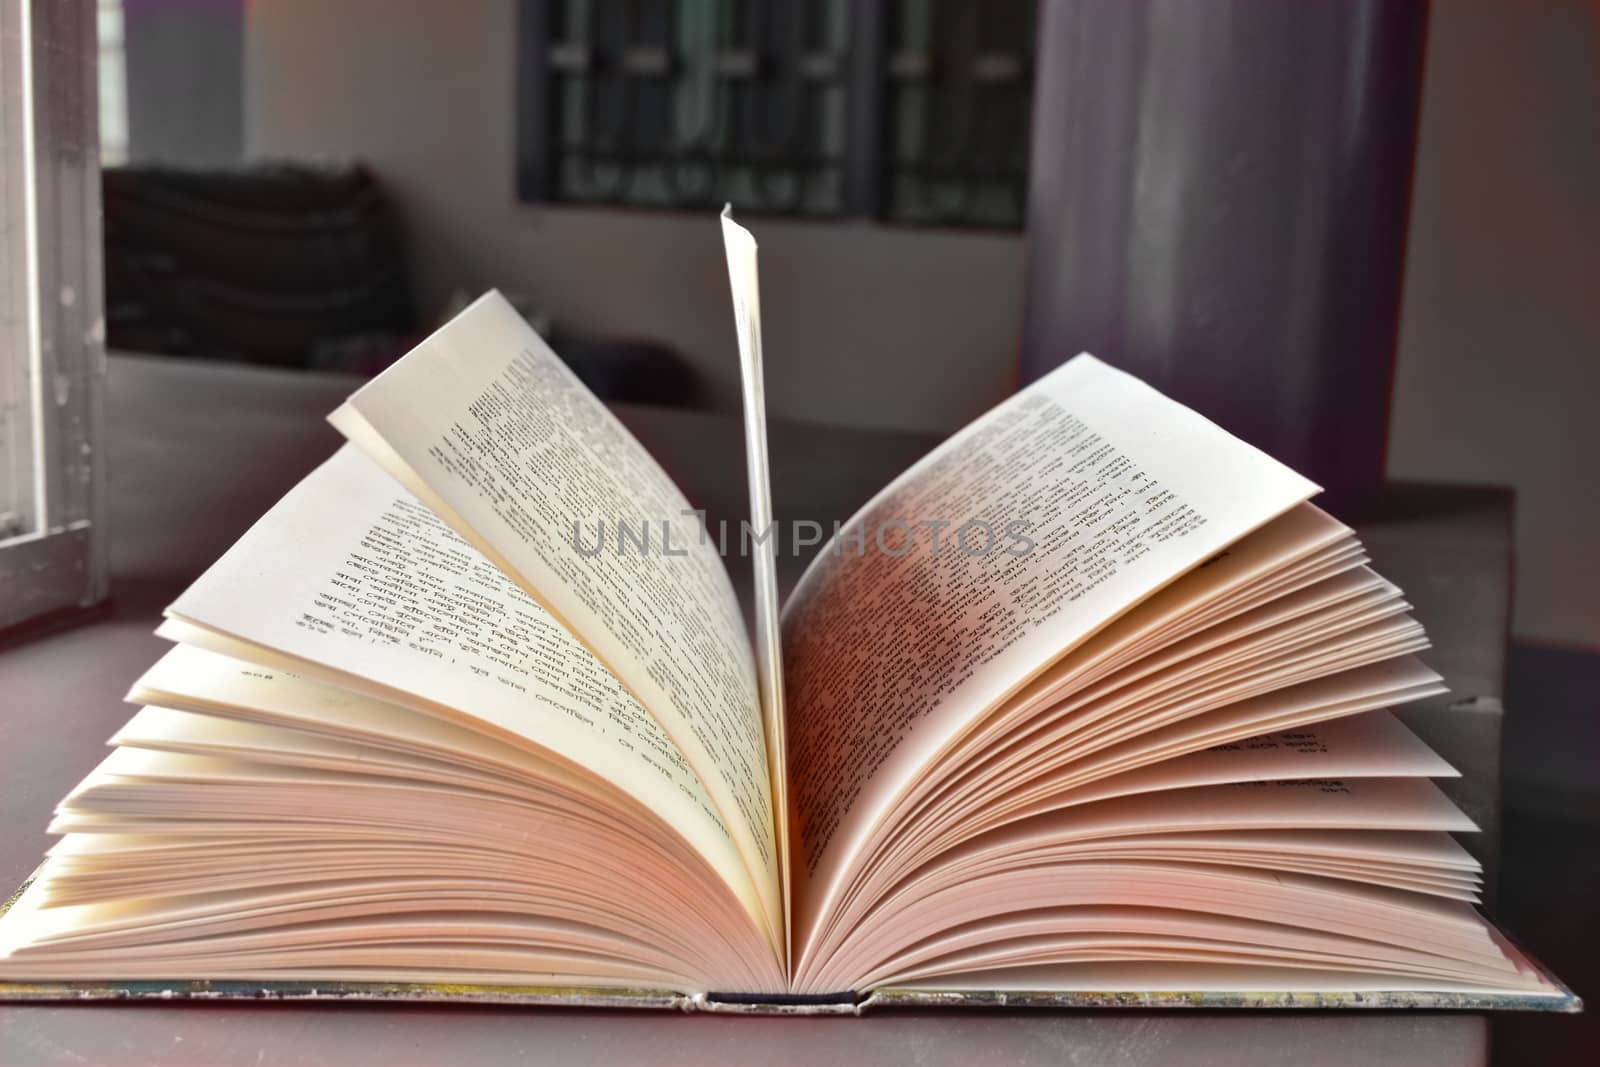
909	111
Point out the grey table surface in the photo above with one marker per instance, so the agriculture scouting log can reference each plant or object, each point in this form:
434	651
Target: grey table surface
199	451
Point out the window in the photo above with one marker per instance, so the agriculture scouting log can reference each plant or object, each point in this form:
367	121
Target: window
908	111
51	359
113	83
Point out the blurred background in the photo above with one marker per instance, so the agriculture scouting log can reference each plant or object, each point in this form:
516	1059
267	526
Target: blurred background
315	184
904	313
1363	235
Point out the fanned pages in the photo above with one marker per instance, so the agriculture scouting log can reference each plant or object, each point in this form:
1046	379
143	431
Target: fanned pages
1088	706
493	431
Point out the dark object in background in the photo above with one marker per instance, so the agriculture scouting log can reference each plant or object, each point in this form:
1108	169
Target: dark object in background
1218	201
281	265
619	370
296	266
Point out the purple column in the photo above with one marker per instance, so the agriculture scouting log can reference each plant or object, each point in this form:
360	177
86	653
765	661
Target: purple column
1217	203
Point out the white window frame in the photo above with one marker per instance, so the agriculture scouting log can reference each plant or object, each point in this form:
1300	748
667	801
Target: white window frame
52	328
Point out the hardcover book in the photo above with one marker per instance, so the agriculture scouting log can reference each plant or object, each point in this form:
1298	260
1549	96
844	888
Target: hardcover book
1088	707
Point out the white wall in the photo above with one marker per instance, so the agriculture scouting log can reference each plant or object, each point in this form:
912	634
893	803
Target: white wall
1498	378
863	325
1499	366
183	60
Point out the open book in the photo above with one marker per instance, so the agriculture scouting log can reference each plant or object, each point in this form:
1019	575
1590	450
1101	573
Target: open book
1088	706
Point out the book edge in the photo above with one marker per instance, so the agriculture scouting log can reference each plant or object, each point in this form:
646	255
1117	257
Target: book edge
1561	999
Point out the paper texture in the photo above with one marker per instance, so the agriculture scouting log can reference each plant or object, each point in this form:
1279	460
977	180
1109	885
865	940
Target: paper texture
743	282
488	427
1092	490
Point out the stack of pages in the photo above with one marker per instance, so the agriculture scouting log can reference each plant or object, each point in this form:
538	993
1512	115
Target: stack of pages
1088	706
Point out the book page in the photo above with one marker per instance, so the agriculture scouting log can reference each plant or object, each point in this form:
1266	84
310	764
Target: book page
975	570
743	281
348	572
192	679
487	426
1374	745
1294	707
1043	864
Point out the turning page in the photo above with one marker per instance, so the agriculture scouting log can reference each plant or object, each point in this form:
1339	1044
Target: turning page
743	281
490	429
971	573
